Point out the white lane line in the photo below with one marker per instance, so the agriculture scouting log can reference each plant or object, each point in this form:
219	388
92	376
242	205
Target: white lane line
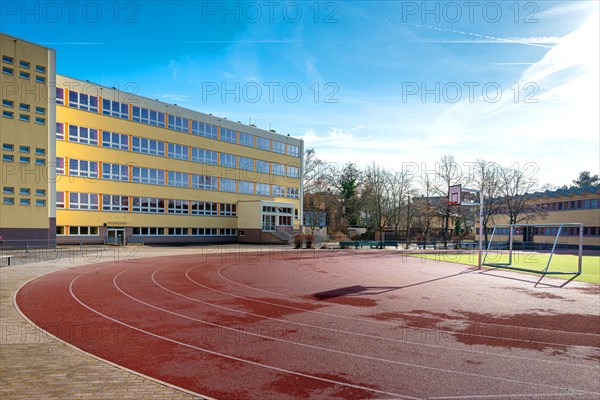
412	365
336	330
71	291
369	321
382	322
506	396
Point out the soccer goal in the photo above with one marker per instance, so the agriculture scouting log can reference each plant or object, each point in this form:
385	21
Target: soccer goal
534	252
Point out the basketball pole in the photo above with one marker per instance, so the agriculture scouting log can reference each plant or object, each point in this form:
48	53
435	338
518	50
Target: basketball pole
480	229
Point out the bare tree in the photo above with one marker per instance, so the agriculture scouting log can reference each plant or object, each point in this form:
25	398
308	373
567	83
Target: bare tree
317	178
399	183
516	201
487	176
448	173
376	198
424	208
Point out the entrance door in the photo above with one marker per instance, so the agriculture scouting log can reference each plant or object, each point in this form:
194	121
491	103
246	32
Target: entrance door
115	236
268	222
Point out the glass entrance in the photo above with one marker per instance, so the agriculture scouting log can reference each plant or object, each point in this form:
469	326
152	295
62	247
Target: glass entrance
268	222
115	236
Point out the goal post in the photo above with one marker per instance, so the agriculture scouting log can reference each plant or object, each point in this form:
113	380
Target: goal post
556	230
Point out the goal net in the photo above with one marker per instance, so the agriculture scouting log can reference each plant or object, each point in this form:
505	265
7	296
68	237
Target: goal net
532	247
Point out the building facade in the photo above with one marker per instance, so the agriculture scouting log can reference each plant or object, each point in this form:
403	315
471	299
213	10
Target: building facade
27	128
133	169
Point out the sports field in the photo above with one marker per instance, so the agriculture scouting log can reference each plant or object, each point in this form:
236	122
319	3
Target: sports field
326	325
529	260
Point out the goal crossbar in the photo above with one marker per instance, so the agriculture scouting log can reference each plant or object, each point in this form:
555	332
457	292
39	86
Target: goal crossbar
545	271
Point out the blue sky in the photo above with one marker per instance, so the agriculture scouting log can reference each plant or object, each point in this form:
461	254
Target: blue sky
387	81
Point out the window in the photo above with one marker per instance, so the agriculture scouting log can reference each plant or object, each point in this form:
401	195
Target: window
204	208
227	185
228	232
25	191
8	114
80	134
178	179
24	117
292	193
263	189
203	129
40	192
115	172
8	190
228	160
40	120
293	151
246	187
178	231
147	146
24	159
246	139
83	201
263	144
204	156
8	103
24	75
228	135
179	124
40	202
40	68
25	202
7	71
293	172
24	64
246	164
263	167
40	151
24	149
60	230
115	109
178	207
115	140
83	230
146	116
178	151
278	191
40	79
9	201
278	169
228	210
60	96
83	168
40	161
8	158
83	101
24	107
149	231
60	166
148	175
8	60
60	131
278	147
148	205
111	202
60	199
205	231
8	147
204	182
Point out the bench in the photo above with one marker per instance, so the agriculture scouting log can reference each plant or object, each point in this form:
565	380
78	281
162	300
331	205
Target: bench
8	257
343	245
423	245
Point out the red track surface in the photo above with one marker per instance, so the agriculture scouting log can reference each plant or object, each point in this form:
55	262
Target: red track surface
353	326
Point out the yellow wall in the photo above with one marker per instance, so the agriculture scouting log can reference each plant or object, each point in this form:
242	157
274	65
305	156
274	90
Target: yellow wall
20	133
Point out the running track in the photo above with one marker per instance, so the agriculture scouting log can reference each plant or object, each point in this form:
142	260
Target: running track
337	326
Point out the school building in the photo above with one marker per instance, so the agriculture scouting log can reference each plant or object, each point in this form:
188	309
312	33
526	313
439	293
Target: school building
85	161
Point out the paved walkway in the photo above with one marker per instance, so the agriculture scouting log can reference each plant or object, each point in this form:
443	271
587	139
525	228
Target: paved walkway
36	366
